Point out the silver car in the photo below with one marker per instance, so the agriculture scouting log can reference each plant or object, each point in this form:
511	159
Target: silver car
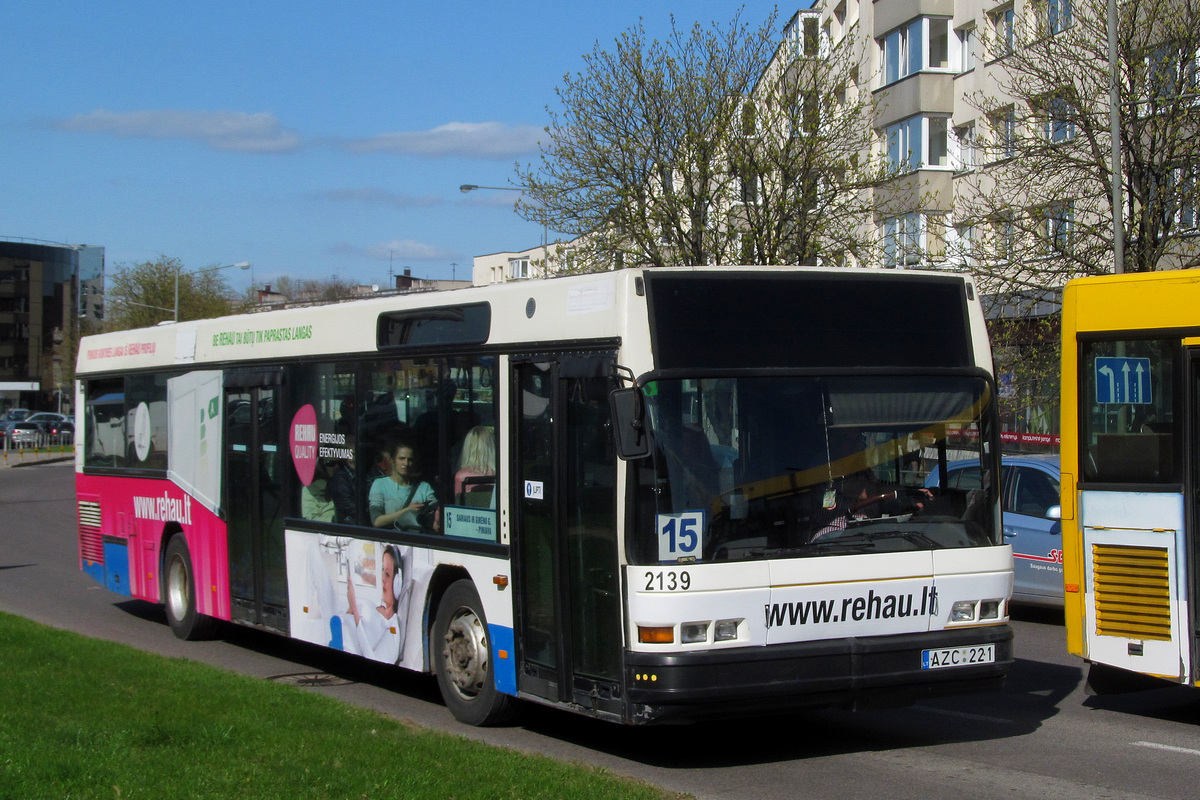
1030	501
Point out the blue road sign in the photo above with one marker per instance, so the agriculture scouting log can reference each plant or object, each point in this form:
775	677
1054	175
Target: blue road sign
1123	380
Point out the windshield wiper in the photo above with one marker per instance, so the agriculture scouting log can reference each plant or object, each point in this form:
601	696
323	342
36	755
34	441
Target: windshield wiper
913	537
816	549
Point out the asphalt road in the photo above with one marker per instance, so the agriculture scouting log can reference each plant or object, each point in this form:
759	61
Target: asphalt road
1040	737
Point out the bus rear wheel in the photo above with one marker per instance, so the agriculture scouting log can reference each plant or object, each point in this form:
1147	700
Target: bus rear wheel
463	660
179	593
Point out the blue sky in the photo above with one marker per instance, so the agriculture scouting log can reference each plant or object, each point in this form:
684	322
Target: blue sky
311	139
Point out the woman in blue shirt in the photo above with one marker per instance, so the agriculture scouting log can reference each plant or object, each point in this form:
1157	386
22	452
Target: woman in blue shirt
397	500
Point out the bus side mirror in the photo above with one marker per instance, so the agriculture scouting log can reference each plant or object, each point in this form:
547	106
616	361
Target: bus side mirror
628	413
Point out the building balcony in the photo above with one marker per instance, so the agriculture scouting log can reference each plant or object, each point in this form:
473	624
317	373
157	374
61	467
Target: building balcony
922	93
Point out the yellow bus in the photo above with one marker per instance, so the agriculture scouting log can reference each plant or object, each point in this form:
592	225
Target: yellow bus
1130	395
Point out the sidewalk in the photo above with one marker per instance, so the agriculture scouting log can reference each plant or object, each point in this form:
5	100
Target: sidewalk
29	456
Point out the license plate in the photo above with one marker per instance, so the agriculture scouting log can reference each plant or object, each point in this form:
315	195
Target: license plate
958	656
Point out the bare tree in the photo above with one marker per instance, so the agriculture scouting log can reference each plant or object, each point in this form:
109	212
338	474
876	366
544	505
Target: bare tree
316	290
1042	199
143	294
717	145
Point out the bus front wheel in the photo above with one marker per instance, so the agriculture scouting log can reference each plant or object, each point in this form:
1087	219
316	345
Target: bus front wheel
463	660
179	593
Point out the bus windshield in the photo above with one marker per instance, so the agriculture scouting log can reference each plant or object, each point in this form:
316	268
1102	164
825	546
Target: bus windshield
789	467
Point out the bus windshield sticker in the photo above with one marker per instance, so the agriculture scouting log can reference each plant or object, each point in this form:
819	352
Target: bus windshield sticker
680	536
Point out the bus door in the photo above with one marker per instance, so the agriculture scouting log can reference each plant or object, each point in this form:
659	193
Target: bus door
254	498
1191	477
1136	542
568	626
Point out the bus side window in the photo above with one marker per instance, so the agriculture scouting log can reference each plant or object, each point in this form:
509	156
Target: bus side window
330	495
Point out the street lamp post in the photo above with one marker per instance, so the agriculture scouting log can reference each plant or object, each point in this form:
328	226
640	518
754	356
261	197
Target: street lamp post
1114	127
239	265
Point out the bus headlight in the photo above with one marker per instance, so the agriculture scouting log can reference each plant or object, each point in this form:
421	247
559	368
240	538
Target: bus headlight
963	611
989	609
693	632
726	630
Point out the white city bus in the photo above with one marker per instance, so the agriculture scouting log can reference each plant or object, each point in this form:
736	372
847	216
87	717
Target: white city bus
703	495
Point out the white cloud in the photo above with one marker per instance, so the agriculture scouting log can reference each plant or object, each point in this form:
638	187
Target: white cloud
376	196
261	133
490	140
221	130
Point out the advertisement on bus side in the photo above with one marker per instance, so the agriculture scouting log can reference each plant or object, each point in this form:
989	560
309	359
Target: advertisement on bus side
356	595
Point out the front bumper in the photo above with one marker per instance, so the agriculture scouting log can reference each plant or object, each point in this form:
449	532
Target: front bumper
875	671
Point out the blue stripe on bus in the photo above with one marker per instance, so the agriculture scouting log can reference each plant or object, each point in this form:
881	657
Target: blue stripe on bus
504	658
116	567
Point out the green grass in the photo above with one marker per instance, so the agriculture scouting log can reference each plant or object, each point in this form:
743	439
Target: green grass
82	718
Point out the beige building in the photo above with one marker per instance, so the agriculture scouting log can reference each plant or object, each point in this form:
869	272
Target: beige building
922	95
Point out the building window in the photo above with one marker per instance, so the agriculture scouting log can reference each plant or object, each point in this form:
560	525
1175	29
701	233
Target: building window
1003	27
919	45
968	147
804	35
966	48
1004	130
937	148
1189	198
667	176
1060	122
904	145
811	42
1058	15
750	119
1171	73
518	267
962	249
902	240
1173	197
939	44
806	114
750	185
1058	223
1004	233
917	142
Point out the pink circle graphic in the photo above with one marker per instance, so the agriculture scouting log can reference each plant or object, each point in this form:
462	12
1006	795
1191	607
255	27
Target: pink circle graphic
302	443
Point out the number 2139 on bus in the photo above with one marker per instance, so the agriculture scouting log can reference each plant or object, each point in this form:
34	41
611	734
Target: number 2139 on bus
680	535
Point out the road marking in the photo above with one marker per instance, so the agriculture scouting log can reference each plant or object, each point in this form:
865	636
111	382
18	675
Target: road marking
1187	751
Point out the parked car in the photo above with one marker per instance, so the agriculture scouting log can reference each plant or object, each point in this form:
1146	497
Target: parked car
26	434
1029	500
56	428
63	432
11	416
46	419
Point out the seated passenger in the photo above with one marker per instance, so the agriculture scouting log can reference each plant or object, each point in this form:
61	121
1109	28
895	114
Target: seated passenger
399	499
315	500
343	492
478	461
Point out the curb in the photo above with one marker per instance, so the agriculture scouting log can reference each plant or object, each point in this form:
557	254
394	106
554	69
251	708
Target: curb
34	461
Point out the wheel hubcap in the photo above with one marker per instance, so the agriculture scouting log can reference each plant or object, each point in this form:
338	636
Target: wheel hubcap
177	588
465	652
